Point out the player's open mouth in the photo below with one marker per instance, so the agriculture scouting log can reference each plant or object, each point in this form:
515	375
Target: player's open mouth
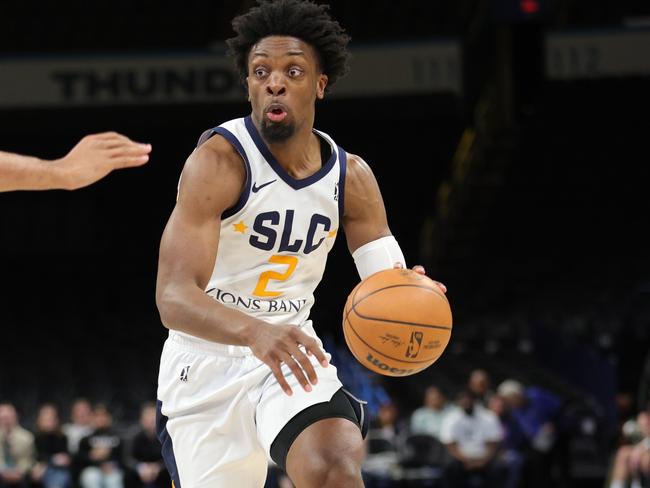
276	113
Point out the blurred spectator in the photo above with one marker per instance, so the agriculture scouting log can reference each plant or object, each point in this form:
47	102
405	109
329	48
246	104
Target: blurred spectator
81	415
100	454
16	449
386	425
472	436
513	446
535	409
537	412
428	418
632	463
146	454
479	384
626	411
382	447
52	469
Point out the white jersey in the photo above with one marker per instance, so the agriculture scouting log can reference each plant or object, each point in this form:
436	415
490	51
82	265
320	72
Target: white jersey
274	242
220	407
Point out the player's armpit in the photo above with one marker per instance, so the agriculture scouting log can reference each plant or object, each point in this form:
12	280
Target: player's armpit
364	218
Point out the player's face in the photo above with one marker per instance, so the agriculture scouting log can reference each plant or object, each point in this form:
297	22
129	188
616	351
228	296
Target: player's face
284	80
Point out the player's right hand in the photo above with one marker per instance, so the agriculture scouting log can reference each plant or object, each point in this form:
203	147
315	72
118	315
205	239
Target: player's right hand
278	344
96	155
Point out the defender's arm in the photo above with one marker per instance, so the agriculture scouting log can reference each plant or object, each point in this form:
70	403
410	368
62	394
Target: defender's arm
89	161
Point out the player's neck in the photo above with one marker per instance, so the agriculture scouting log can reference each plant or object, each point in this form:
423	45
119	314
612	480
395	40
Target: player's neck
300	154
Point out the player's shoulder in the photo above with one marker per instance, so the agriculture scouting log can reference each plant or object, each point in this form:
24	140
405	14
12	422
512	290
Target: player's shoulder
359	178
356	165
212	178
216	158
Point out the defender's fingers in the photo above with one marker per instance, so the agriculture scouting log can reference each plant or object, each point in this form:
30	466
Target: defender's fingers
276	369
129	162
112	140
130	149
306	365
106	135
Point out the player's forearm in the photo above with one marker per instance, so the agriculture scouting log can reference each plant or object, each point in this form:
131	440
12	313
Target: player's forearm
28	173
188	309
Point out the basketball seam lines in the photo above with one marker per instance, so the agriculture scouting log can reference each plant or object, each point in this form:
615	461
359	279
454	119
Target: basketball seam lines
401	322
347	312
354	308
398	286
382	353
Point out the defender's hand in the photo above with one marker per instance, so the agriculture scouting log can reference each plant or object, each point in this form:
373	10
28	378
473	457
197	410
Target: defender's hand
420	270
277	344
96	155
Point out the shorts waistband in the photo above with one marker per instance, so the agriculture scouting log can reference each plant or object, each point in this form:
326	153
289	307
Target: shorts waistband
195	344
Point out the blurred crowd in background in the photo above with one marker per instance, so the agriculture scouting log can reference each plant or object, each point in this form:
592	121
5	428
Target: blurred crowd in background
480	435
86	451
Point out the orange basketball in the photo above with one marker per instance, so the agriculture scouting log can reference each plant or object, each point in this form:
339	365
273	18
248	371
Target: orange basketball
397	322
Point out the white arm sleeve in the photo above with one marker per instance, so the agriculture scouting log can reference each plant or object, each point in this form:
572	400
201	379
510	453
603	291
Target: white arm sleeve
378	255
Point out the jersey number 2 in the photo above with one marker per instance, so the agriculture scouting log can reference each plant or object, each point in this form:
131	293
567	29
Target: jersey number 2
290	261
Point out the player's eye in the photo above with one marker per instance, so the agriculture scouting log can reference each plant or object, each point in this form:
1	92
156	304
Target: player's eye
294	72
259	72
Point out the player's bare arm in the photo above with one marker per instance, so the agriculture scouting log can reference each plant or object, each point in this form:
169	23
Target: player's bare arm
364	220
212	181
94	157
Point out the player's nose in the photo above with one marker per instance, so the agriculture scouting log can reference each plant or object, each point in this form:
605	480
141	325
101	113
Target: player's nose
276	85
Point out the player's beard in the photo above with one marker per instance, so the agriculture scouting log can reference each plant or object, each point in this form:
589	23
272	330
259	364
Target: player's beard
275	133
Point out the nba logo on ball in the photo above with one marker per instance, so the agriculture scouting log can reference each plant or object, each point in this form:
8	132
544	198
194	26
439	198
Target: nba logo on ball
414	344
402	305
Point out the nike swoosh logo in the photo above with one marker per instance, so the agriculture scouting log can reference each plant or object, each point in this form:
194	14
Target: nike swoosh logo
258	188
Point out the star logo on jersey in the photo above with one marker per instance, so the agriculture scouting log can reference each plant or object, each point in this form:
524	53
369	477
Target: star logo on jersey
258	188
240	227
332	233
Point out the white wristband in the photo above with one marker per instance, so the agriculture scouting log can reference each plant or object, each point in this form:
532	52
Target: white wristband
378	255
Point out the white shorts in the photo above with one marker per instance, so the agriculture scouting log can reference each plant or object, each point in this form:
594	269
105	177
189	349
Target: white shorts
221	409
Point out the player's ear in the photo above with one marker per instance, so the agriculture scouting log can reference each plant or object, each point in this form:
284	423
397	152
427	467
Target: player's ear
320	86
248	93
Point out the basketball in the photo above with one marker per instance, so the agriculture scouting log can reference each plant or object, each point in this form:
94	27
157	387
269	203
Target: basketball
397	322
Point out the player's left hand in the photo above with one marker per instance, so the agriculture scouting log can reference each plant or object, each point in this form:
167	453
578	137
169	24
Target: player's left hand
420	270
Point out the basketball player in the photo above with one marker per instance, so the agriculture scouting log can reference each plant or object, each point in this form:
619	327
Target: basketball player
89	161
243	374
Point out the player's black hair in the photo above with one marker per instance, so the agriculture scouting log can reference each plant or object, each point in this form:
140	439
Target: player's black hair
302	19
